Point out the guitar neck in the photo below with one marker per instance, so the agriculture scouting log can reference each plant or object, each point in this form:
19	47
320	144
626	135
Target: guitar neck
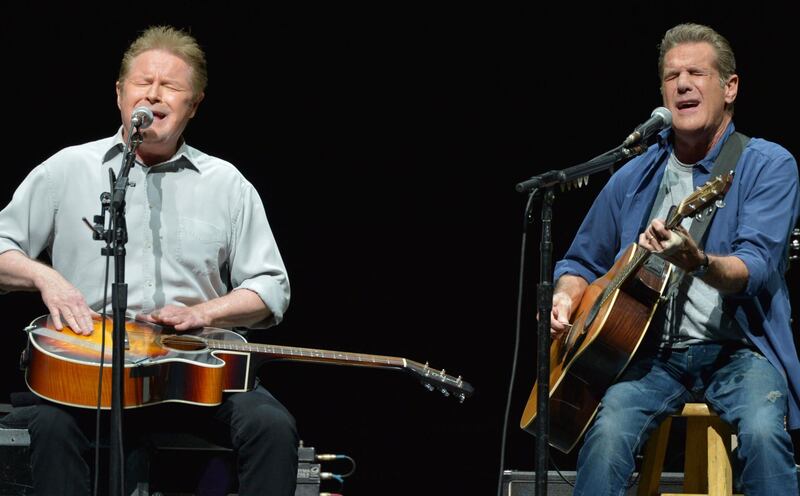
310	354
432	379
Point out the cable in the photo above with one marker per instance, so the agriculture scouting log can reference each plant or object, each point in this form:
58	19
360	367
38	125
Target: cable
331	476
558	471
328	457
516	342
100	379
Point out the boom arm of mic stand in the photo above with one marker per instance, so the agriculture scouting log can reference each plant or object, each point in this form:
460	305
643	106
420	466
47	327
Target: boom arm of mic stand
598	164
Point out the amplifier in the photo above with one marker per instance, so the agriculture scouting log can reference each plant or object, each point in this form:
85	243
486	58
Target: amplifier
15	470
517	483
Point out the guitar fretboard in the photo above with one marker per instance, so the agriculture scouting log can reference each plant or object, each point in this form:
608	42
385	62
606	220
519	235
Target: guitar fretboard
309	354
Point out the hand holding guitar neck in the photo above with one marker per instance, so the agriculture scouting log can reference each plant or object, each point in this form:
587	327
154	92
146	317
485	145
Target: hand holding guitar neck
673	245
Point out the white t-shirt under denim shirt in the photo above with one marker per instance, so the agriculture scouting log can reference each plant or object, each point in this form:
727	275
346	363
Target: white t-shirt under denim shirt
694	311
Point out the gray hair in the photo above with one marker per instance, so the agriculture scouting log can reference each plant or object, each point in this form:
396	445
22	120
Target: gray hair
698	33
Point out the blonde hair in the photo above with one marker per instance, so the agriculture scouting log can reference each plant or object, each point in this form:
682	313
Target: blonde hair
174	41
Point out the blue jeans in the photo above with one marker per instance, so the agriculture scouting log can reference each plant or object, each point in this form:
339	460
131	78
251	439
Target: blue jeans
739	384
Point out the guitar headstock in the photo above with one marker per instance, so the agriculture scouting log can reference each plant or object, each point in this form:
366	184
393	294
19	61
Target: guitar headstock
438	380
700	199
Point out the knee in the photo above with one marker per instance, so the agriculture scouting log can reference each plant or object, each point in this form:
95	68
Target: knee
266	421
610	432
52	423
762	430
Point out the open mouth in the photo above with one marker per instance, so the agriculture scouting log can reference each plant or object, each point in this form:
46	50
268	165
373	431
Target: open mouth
687	104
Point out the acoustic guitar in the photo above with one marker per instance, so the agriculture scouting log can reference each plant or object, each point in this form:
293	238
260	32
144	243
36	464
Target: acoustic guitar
196	367
607	328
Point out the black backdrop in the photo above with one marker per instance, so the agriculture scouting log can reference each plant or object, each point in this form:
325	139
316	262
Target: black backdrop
386	143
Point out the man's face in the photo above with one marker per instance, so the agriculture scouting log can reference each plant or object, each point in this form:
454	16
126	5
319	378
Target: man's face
692	89
162	82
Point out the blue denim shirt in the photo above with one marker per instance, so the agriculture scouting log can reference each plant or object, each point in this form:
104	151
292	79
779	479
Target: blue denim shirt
761	208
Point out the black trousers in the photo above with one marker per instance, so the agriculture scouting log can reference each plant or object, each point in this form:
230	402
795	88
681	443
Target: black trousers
258	428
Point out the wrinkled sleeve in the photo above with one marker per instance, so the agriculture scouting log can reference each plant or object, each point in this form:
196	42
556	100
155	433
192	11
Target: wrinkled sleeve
768	213
27	222
596	243
256	263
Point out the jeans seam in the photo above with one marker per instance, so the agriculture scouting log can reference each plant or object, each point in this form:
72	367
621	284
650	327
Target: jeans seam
662	408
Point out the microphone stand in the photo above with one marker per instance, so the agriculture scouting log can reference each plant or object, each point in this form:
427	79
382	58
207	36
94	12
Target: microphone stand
544	290
115	238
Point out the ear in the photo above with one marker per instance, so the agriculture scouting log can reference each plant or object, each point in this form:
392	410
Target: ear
196	104
731	89
118	87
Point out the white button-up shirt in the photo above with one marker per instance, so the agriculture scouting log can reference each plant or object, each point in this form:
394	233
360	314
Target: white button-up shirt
197	228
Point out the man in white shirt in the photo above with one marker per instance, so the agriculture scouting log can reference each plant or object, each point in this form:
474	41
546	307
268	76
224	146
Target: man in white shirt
200	253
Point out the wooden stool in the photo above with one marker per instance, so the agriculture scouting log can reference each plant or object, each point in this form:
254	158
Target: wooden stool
707	467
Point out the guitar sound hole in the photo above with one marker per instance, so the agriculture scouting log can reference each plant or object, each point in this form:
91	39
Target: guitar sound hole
183	343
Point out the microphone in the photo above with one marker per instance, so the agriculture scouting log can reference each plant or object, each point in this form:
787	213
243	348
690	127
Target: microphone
661	118
141	117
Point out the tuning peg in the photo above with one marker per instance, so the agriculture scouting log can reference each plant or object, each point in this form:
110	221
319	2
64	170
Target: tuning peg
444	391
442	373
461	397
428	386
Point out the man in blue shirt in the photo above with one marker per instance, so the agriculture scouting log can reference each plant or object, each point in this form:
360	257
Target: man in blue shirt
723	335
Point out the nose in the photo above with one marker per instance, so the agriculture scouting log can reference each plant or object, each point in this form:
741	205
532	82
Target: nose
153	92
684	82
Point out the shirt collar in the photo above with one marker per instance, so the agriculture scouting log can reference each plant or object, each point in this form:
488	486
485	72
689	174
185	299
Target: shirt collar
665	141
180	160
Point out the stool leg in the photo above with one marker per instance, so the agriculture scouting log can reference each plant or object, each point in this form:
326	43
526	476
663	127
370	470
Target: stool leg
720	481
695	467
650	476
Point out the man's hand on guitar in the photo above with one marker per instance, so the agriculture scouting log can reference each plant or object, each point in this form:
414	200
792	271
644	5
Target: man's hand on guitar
66	304
181	318
559	316
675	246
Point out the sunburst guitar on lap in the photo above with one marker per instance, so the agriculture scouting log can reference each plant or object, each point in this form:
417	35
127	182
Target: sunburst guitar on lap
161	366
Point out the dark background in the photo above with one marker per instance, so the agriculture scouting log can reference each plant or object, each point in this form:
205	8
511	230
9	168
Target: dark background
386	143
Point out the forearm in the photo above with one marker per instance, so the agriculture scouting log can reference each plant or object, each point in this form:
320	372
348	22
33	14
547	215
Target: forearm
572	286
726	274
20	273
241	307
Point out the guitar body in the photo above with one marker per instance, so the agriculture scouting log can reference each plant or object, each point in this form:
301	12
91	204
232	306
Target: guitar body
64	367
608	327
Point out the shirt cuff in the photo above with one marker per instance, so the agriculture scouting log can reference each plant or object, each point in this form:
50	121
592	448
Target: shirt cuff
756	268
274	294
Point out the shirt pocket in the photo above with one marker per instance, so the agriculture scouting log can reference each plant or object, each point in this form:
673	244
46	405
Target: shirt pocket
200	246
